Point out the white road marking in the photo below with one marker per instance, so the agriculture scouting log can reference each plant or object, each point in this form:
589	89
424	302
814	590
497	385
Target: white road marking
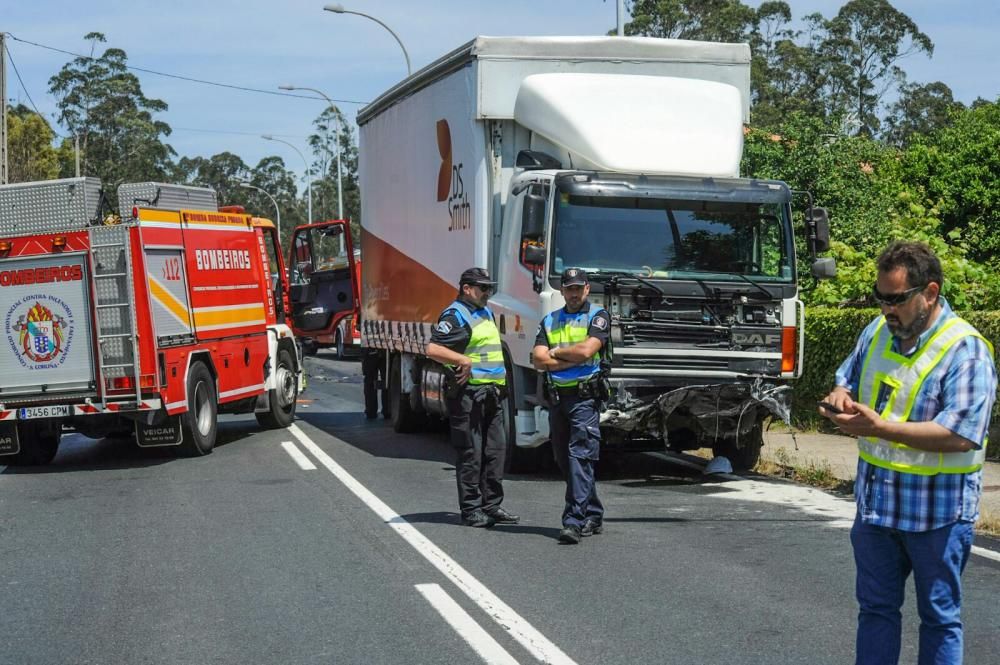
470	631
809	500
298	456
537	644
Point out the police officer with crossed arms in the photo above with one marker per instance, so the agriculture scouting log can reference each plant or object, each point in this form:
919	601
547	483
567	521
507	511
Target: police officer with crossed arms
569	347
467	342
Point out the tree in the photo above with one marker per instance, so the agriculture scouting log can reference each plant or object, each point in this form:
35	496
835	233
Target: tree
222	172
30	153
324	146
863	44
920	109
707	20
958	167
102	102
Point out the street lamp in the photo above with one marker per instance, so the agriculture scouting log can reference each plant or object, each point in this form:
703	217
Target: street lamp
277	211
339	9
268	137
340	187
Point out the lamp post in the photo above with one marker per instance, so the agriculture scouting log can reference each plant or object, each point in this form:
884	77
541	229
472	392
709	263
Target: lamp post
339	9
277	211
340	177
268	137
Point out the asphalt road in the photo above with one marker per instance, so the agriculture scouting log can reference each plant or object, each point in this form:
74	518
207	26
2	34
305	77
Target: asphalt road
118	555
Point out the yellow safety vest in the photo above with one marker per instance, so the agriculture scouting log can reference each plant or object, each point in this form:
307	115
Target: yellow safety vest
904	376
483	349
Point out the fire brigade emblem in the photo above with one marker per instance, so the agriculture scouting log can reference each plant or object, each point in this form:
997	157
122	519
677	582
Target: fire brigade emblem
40	336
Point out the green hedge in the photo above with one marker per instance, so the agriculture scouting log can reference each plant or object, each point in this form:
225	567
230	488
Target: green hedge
831	334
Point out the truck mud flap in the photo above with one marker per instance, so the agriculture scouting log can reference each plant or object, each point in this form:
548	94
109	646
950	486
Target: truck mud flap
167	433
10	444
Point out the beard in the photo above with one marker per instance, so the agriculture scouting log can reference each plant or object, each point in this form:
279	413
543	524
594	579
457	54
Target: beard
915	327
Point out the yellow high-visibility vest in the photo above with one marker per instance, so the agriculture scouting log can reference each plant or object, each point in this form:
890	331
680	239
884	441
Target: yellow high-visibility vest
904	376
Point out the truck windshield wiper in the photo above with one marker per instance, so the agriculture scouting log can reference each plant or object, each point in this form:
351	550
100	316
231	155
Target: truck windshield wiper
760	288
629	275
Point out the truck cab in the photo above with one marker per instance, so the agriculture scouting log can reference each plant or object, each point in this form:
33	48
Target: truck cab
324	286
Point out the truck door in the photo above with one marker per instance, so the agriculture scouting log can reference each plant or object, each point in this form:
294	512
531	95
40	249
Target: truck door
323	288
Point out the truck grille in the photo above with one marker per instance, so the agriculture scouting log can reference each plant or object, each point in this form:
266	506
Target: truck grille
675	363
674	335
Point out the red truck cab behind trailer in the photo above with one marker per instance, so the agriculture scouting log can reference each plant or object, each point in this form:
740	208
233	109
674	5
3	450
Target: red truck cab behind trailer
324	290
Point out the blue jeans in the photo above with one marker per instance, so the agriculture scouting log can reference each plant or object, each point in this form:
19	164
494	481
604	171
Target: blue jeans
884	558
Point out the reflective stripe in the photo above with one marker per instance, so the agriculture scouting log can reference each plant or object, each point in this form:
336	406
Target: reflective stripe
563	329
484	348
904	377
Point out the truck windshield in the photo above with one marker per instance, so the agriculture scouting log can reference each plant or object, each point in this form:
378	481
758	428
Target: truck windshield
673	238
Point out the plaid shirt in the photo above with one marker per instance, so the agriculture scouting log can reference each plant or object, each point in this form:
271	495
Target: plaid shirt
958	394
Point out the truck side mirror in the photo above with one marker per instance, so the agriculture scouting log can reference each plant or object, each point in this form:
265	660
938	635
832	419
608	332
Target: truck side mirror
534	256
825	268
533	217
818	226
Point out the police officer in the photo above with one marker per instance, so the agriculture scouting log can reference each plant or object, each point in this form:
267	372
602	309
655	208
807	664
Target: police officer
569	347
467	342
373	370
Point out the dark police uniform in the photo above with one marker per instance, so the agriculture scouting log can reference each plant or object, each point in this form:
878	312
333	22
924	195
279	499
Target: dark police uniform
574	421
476	413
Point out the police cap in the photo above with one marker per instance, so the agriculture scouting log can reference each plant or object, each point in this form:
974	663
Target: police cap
574	277
476	277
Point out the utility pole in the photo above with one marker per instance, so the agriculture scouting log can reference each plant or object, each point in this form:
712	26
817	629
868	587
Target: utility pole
3	109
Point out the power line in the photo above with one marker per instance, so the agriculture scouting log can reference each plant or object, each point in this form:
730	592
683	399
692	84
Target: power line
186	78
19	79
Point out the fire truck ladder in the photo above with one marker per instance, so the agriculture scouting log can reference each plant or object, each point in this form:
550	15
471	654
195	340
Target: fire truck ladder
114	306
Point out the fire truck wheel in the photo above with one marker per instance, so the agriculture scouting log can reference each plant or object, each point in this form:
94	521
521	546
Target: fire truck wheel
283	398
39	445
201	419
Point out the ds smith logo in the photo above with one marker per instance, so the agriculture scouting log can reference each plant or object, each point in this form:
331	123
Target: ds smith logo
450	187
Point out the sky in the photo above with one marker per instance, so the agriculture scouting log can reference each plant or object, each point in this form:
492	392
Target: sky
261	44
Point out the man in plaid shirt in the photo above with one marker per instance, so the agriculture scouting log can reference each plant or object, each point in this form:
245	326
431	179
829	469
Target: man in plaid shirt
917	392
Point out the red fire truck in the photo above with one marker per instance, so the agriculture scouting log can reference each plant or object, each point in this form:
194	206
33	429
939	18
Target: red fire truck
157	319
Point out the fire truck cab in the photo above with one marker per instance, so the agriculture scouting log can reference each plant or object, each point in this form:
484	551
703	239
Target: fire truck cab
154	321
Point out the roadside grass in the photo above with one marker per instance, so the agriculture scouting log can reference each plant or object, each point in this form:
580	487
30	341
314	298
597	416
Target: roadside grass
780	465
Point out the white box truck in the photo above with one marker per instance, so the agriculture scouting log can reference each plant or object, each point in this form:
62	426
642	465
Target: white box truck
529	155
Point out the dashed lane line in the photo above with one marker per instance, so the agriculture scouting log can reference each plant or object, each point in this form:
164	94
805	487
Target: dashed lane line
537	644
300	458
488	648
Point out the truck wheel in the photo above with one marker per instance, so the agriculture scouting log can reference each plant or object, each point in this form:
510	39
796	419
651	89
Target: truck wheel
283	397
310	347
517	459
743	457
339	344
404	418
201	421
39	444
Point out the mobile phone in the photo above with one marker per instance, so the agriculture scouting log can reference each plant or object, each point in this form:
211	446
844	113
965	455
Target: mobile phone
830	407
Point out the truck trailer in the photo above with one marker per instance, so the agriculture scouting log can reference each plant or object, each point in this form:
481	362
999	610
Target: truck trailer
620	156
152	320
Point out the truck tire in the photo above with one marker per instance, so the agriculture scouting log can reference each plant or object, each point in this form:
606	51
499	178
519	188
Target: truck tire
201	421
39	444
339	343
284	397
518	459
404	418
745	456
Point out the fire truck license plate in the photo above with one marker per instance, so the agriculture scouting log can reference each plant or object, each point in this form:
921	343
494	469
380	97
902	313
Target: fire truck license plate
43	411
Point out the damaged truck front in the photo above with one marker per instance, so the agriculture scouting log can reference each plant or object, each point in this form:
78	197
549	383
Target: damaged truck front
699	276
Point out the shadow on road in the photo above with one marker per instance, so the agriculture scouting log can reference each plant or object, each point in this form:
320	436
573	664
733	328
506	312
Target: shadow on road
78	453
454	519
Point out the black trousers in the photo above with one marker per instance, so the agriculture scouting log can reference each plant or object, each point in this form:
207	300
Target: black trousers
574	429
373	369
479	434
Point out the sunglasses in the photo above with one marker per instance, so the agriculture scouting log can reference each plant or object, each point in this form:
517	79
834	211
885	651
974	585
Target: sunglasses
486	289
894	299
